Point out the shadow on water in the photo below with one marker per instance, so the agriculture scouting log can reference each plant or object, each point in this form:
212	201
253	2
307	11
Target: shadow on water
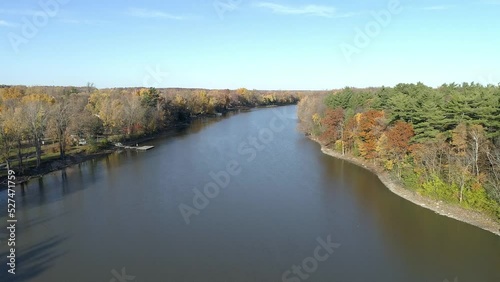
33	261
33	222
55	185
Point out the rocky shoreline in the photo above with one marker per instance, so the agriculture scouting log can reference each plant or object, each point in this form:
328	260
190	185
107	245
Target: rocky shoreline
449	210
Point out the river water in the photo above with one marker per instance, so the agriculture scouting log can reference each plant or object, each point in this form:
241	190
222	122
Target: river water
243	198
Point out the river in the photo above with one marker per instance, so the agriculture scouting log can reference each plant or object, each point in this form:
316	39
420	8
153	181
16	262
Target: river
268	206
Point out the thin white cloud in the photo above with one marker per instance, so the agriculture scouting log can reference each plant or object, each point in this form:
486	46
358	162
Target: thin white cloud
82	21
349	15
437	8
18	12
6	24
310	10
147	13
71	21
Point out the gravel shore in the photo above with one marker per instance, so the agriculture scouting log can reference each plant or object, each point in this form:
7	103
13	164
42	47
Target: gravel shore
453	211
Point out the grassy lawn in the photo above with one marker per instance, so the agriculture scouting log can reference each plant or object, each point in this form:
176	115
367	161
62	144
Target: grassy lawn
49	153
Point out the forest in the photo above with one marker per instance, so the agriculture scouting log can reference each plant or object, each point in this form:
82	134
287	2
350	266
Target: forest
43	124
442	143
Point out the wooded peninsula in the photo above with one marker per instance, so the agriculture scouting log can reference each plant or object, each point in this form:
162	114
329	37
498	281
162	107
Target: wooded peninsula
45	128
443	143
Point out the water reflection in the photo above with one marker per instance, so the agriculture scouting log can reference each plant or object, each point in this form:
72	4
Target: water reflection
122	210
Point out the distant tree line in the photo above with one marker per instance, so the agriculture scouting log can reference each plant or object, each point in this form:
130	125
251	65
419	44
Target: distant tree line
29	116
443	142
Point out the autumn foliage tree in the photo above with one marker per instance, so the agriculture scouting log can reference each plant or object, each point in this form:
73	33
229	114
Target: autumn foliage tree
308	109
398	141
444	141
51	119
36	116
371	126
333	123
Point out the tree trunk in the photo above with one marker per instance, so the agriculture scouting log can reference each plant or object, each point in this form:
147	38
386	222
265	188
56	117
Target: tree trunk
461	190
476	155
342	138
38	149
449	165
19	155
61	149
62	145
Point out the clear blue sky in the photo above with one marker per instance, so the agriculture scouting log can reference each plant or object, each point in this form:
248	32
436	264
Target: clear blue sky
268	44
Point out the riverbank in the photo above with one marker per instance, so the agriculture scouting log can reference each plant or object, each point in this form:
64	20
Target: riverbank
449	210
55	165
49	166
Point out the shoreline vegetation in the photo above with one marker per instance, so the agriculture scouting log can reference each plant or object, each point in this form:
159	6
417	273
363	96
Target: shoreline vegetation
57	164
48	128
436	147
471	217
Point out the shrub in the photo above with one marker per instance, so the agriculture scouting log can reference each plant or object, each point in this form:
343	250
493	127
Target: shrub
438	189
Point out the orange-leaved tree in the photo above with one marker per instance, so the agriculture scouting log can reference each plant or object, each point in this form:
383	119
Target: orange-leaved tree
371	126
333	124
398	142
